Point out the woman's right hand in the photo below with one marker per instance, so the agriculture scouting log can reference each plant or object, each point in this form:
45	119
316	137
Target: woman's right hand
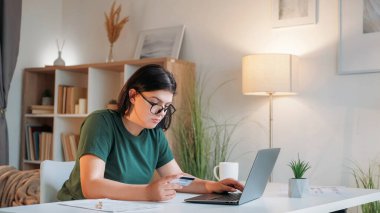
162	189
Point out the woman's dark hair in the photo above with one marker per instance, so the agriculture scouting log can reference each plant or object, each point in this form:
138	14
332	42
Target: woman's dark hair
148	78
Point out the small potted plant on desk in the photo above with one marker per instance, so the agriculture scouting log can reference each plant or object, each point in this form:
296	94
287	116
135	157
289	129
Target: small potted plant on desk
298	186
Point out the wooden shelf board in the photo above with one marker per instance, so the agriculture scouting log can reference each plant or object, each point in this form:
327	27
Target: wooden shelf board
39	115
32	161
71	115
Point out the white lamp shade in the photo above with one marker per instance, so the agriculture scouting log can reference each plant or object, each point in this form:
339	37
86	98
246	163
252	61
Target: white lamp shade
265	74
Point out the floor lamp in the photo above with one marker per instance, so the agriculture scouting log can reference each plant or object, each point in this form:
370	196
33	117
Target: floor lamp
269	75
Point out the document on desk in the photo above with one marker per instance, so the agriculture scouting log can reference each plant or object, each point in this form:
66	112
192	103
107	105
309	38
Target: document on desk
107	205
327	190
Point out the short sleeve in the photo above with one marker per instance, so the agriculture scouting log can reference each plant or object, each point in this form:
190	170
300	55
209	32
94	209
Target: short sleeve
165	154
96	137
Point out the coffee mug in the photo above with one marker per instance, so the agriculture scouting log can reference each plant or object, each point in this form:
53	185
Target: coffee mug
227	170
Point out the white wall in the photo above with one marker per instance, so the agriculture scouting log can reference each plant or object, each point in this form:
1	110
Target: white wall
332	121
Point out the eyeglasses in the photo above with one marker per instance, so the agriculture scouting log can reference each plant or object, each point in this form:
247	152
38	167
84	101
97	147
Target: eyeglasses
156	108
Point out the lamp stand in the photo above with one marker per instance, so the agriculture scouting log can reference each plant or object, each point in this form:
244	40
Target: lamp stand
270	119
270	126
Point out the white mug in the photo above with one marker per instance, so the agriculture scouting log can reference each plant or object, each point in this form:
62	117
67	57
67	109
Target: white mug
227	170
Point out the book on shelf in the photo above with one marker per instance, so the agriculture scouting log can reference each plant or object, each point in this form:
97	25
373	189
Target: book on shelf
68	97
60	97
46	146
35	145
70	143
42	109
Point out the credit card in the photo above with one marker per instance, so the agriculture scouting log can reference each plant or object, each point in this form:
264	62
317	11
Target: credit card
183	181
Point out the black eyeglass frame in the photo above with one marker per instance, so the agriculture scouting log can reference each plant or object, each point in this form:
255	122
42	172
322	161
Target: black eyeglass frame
169	108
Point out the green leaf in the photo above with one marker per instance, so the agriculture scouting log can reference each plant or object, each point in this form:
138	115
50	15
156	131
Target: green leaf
202	141
299	167
368	180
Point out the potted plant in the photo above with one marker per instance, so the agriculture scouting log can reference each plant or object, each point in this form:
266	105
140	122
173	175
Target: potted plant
203	141
46	97
298	186
368	179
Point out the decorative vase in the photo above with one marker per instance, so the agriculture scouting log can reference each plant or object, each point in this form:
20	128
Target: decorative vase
59	61
110	54
298	187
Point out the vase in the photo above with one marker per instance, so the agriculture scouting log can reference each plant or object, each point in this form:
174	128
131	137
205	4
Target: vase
110	54
59	61
298	188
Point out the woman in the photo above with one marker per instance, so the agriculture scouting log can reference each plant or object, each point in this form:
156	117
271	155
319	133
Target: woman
120	150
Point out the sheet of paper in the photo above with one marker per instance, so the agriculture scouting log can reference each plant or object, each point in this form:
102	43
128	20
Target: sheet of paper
107	205
326	190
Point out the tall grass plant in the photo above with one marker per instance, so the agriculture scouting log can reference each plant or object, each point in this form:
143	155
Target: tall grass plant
202	142
368	179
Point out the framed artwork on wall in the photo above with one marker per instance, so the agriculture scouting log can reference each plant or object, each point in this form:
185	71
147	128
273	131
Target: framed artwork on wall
286	13
359	38
162	42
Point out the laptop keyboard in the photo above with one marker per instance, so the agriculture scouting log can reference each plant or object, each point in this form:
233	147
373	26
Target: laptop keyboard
231	196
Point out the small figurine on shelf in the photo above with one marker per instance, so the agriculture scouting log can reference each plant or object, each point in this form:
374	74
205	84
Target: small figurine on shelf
59	61
46	98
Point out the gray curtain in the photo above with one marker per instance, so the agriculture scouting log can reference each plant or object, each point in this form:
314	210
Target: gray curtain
10	22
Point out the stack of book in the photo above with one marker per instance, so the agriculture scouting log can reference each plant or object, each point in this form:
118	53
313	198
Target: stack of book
68	97
69	146
42	109
38	143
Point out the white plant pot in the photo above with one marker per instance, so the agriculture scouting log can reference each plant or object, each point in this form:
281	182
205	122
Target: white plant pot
47	101
298	187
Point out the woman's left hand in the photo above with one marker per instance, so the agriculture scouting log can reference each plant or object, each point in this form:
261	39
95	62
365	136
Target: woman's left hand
226	185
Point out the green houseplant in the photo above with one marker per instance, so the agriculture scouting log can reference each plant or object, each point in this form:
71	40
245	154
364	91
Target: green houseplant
298	186
46	97
369	179
202	141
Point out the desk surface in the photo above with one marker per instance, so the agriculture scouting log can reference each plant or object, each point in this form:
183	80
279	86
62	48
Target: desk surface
275	199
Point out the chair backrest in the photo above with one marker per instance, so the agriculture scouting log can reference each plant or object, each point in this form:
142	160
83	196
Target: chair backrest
53	175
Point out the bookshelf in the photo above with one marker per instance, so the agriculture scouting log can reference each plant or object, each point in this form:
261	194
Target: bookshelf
102	82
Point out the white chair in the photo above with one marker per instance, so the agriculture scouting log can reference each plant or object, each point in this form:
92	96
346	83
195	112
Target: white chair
52	176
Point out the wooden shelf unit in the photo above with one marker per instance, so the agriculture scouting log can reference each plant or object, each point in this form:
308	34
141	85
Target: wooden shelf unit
103	82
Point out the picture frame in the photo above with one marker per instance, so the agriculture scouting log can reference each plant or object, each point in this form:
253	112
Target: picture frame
359	36
161	42
286	13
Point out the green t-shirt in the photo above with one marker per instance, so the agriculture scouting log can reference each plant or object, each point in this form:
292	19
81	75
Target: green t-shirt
128	158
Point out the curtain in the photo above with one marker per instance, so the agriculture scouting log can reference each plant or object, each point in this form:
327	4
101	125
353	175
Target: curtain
10	22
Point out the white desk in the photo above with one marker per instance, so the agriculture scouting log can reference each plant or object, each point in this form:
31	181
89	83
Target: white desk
275	199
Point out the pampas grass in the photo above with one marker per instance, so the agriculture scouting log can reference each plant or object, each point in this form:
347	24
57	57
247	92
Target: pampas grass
113	24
